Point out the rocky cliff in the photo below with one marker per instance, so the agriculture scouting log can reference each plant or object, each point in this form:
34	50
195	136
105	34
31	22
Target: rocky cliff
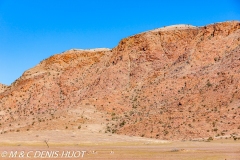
177	82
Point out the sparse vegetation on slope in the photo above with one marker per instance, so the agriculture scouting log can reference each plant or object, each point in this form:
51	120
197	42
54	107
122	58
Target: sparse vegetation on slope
2	87
164	84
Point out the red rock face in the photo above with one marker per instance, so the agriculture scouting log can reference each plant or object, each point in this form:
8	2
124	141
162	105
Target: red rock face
178	83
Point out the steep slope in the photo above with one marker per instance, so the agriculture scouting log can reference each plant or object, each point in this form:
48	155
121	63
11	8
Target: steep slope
177	82
2	87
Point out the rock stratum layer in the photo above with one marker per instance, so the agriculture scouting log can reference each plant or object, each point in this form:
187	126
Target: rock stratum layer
178	82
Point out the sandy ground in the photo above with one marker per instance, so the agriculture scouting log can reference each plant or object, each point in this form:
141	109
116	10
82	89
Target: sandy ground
85	145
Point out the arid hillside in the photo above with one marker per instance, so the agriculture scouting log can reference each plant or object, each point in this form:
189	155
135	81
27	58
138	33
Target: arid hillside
177	82
2	87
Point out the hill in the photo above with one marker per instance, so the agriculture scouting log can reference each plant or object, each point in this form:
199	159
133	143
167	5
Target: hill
178	82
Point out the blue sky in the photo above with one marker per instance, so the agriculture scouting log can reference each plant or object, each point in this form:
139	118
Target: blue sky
32	30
